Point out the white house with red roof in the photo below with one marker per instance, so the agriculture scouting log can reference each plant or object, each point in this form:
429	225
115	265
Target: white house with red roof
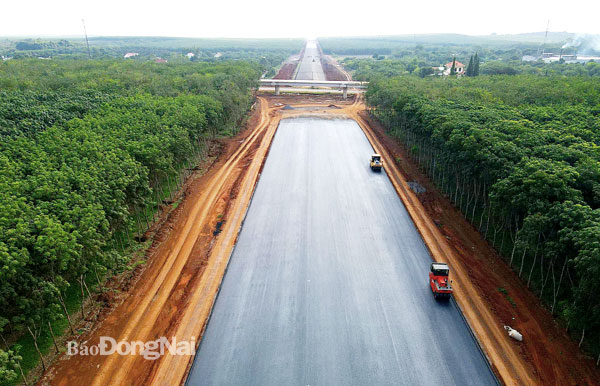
459	67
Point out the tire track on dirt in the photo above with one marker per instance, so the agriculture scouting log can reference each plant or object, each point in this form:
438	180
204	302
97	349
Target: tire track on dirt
172	369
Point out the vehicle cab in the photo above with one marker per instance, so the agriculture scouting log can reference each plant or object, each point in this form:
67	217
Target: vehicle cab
376	162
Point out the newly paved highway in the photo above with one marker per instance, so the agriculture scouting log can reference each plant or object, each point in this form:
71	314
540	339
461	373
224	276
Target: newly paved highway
310	65
328	281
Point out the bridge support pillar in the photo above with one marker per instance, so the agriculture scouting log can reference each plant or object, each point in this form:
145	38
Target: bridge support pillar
345	89
276	89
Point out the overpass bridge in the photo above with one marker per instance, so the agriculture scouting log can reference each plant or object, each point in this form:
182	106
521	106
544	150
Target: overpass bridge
342	85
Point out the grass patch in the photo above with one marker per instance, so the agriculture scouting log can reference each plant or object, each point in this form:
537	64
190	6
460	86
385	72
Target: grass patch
176	204
511	301
504	292
136	264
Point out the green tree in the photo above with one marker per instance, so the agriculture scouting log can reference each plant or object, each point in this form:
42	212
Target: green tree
9	365
453	68
425	71
470	69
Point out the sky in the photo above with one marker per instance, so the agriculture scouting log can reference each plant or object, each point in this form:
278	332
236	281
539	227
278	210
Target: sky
301	19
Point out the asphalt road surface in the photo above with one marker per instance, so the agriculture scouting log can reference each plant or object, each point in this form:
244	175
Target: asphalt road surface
310	66
328	284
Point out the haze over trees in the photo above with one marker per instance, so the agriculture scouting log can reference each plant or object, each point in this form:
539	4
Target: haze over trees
366	69
173	48
367	58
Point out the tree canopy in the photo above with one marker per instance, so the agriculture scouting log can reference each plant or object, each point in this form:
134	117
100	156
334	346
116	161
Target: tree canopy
86	146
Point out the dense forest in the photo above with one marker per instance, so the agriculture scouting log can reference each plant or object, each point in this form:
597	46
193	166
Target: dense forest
368	57
365	69
388	45
520	156
440	48
264	51
88	152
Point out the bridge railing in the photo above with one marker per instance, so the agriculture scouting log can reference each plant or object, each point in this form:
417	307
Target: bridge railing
314	83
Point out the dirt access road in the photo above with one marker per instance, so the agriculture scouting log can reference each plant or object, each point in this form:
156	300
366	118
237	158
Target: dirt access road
176	291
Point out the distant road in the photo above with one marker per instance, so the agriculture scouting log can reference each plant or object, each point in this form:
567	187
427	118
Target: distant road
328	283
310	67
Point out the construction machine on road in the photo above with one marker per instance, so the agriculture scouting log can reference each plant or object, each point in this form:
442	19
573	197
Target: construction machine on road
376	162
439	282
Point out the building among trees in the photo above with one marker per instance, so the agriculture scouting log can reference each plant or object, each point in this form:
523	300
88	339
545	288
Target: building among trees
447	69
459	68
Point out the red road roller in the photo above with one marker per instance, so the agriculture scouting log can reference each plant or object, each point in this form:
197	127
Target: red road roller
439	282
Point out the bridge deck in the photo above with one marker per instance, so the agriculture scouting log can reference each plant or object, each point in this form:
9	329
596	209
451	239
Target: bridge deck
313	83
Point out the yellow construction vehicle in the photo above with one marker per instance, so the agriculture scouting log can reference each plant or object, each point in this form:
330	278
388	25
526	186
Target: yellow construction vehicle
376	163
